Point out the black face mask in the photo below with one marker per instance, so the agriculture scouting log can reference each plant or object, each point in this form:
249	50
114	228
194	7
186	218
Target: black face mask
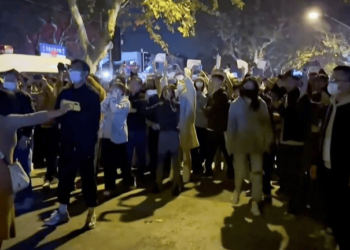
250	93
279	91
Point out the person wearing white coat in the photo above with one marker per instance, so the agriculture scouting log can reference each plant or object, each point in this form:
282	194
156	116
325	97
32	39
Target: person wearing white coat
114	134
249	136
188	135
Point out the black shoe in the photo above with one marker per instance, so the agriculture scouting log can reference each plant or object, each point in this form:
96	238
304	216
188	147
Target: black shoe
208	174
177	190
156	189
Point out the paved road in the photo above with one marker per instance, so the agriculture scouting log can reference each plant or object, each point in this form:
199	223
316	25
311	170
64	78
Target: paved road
202	218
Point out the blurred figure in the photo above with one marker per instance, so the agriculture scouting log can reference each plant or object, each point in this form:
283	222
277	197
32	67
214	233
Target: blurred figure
217	114
78	139
137	126
167	112
249	136
22	153
201	123
115	108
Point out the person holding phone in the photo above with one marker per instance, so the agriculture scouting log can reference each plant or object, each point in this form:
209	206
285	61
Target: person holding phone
115	108
12	81
10	123
78	139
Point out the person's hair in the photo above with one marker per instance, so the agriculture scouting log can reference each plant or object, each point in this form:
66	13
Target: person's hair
135	78
85	66
248	75
323	78
219	77
118	84
171	88
345	69
229	65
255	104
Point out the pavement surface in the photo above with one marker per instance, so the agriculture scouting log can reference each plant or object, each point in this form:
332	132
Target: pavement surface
201	218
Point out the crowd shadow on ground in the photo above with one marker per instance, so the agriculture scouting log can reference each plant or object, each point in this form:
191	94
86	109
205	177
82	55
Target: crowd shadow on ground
269	231
32	242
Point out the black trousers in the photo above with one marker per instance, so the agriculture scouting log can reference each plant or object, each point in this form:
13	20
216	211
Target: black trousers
50	150
293	177
198	154
153	139
336	192
69	164
115	156
268	162
216	140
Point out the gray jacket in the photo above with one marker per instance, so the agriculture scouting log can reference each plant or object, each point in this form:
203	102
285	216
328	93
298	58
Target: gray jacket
114	126
248	131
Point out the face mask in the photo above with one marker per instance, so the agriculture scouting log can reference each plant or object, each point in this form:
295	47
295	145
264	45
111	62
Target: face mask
180	87
333	88
199	85
75	76
10	85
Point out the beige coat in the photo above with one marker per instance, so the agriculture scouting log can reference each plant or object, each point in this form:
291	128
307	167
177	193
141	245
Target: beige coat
187	99
248	131
8	139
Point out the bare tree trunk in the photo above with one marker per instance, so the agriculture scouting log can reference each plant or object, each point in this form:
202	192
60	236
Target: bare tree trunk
93	54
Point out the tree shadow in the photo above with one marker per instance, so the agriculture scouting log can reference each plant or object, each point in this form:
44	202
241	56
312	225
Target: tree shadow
243	231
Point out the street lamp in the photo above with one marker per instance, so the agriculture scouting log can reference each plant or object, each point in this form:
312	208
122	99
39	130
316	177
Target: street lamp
315	15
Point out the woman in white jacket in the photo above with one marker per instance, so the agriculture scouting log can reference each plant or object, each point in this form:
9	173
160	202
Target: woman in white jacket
114	137
249	135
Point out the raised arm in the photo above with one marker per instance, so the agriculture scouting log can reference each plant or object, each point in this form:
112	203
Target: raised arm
18	121
119	107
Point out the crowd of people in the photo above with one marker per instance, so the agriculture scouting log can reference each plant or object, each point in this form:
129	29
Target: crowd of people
296	121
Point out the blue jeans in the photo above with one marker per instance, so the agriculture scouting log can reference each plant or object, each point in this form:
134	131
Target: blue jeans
138	141
23	157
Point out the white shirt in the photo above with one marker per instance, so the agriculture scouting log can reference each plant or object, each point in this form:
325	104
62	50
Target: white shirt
327	139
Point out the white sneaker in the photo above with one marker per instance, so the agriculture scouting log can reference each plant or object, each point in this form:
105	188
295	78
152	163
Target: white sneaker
255	209
235	197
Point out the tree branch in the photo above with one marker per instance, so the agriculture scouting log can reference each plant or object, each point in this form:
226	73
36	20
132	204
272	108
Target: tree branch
63	35
84	40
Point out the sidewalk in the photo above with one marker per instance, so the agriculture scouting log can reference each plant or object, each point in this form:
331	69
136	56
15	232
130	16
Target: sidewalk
202	218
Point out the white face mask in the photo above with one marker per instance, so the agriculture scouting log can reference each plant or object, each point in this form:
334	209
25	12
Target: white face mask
333	88
180	87
10	85
75	77
199	85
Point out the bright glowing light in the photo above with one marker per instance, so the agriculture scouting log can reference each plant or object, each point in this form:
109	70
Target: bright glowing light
314	15
105	74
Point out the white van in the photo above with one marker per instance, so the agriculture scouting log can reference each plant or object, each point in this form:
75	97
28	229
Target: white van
30	64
